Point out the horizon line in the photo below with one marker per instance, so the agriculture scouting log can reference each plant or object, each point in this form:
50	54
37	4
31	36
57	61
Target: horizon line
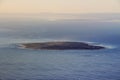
55	13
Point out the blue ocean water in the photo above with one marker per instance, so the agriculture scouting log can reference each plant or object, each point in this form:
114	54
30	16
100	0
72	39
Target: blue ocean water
27	64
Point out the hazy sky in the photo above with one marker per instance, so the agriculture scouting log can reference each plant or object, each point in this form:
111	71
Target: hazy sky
59	6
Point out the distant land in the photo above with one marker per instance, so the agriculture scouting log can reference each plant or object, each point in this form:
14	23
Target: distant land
62	46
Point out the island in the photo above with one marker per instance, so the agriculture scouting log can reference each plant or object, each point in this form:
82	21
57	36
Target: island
62	46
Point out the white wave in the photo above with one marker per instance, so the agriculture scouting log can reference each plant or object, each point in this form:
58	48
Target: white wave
99	44
21	46
107	46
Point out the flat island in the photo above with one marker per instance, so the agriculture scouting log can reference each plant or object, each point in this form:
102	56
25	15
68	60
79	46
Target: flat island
62	46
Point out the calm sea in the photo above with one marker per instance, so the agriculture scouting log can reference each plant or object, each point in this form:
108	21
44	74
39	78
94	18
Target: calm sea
27	64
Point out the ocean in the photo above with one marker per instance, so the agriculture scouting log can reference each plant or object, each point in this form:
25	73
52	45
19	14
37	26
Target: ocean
28	64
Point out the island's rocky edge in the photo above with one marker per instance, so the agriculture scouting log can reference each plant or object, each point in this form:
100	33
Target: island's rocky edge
62	46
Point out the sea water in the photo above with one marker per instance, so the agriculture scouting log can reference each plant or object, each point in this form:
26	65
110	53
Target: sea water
28	64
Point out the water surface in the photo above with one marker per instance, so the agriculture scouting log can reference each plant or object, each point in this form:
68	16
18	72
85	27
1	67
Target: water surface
21	64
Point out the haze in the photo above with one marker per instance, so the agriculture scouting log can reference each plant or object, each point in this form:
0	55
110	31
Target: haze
59	6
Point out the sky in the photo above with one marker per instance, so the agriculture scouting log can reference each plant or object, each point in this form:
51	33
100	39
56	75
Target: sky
59	6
